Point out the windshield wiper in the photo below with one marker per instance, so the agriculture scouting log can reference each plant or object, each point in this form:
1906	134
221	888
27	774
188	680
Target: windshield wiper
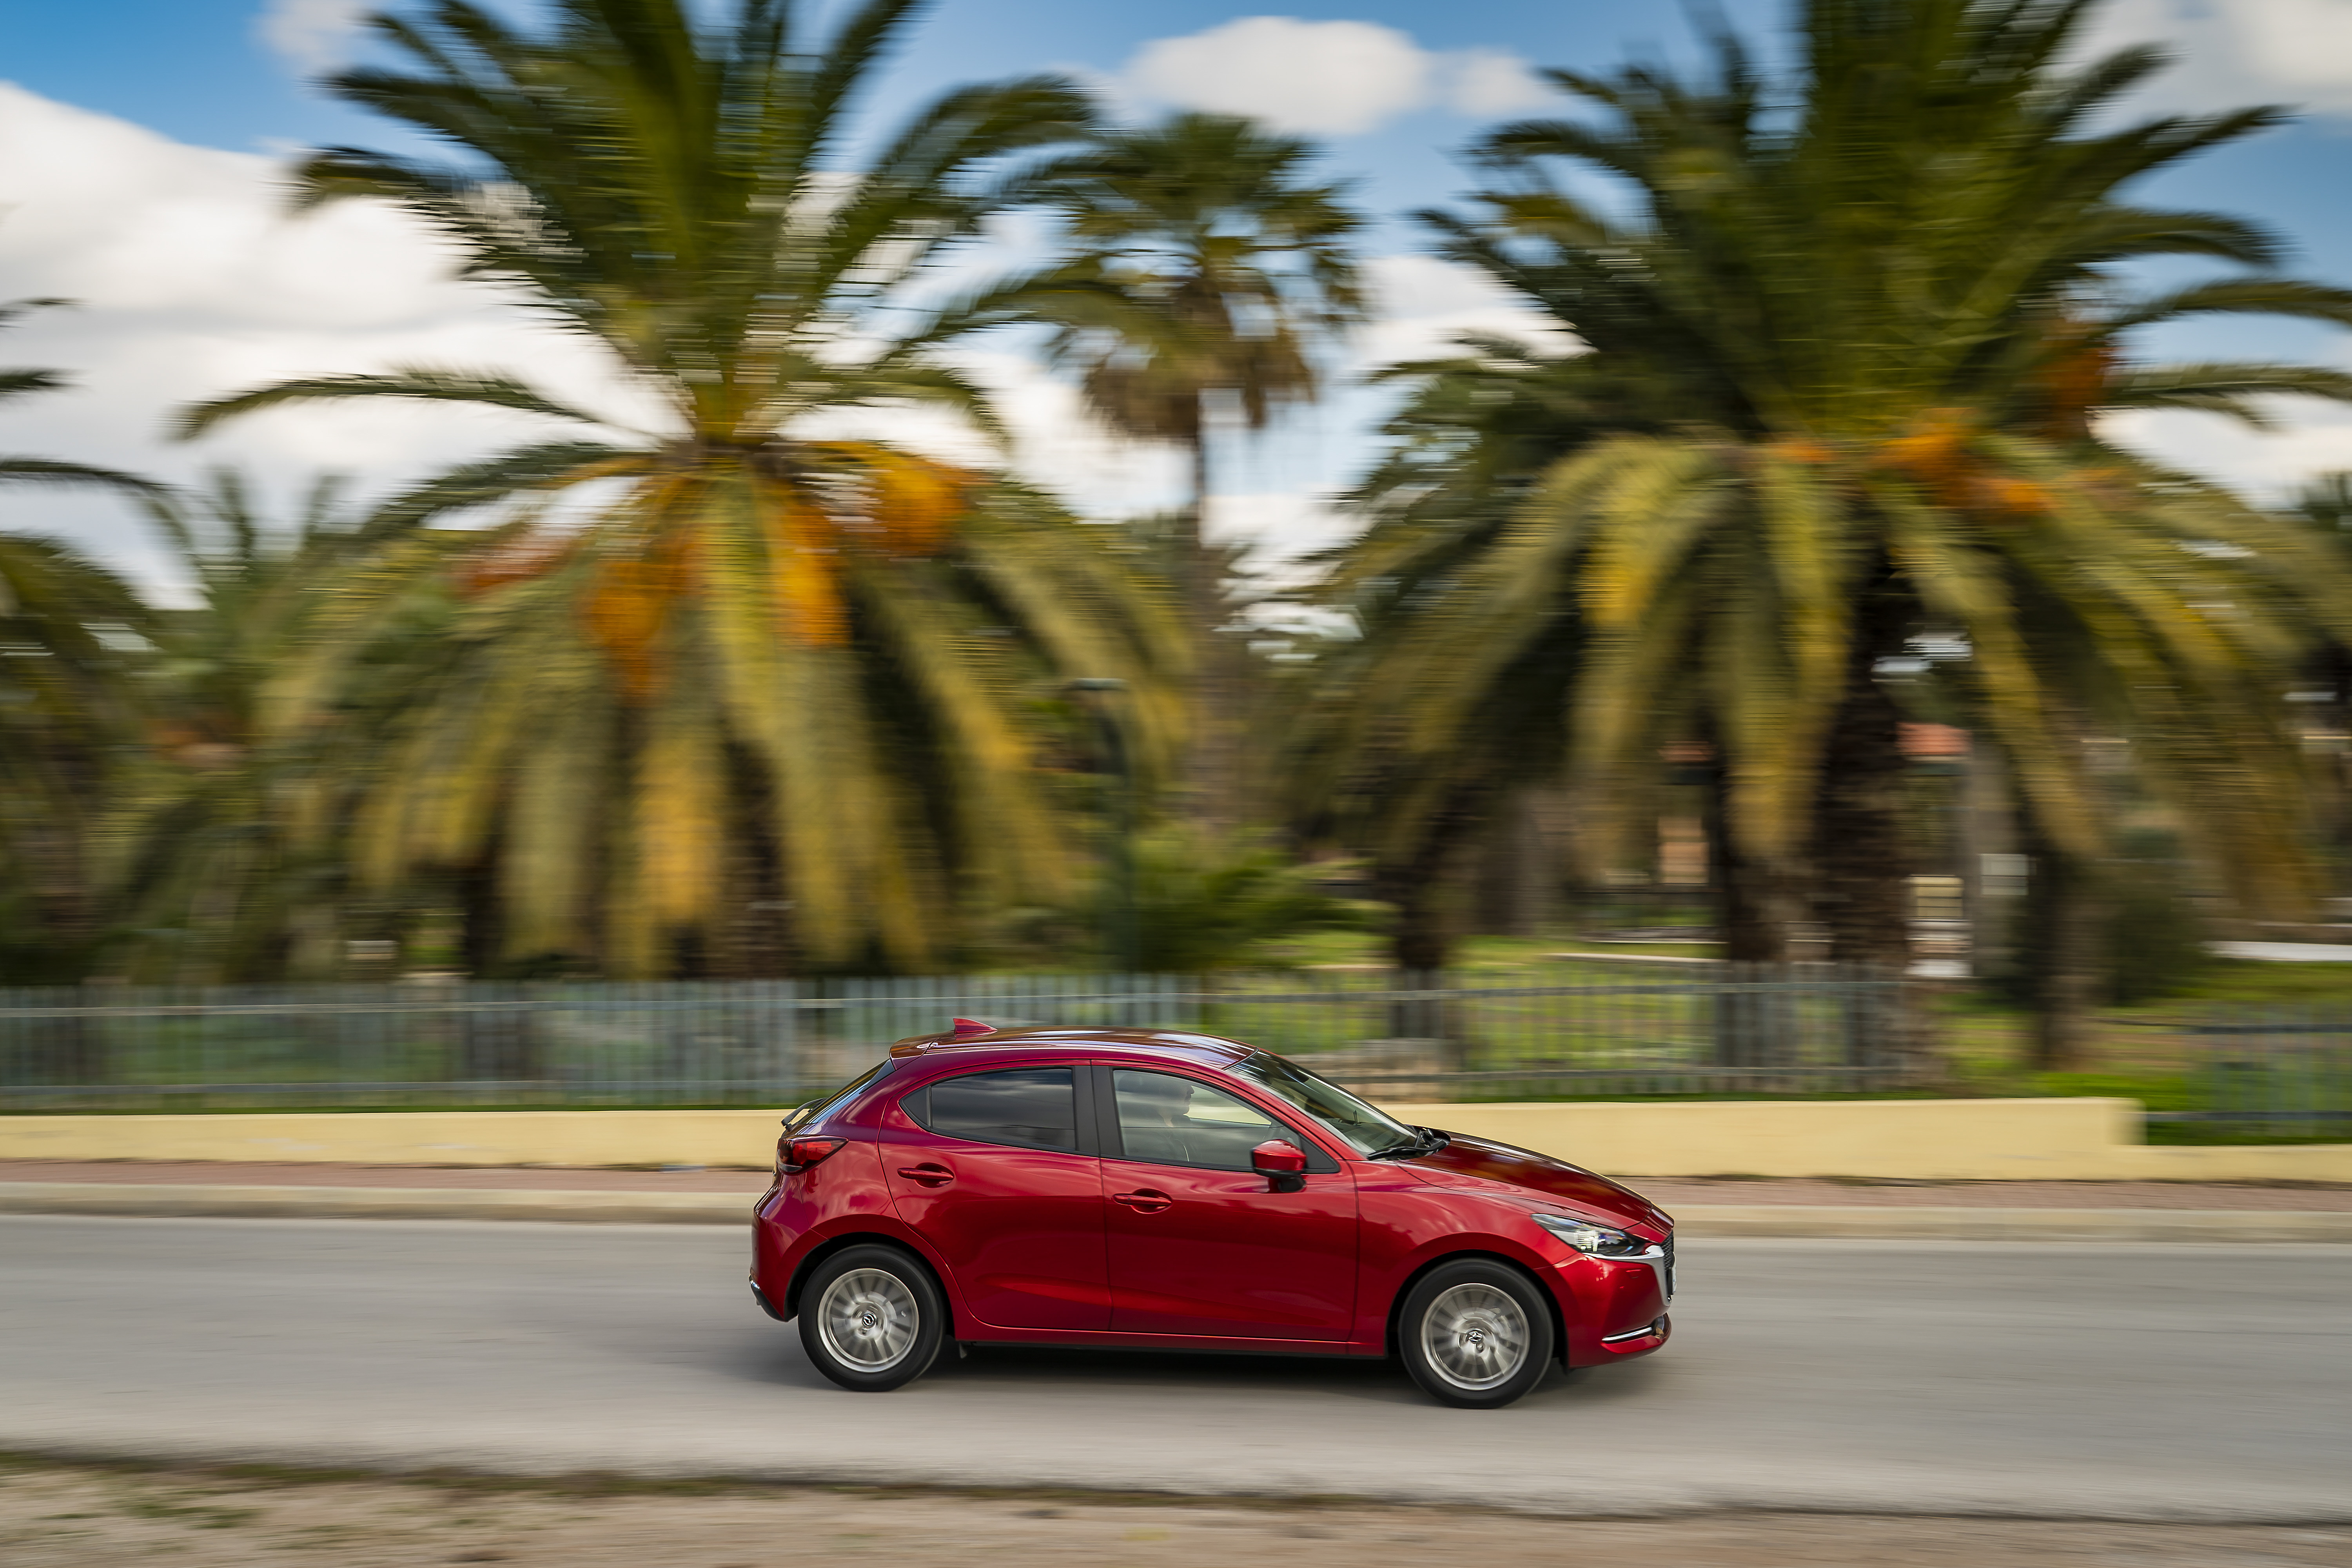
1426	1141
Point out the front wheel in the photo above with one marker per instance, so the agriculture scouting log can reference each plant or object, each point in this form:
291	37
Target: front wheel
871	1319
1475	1334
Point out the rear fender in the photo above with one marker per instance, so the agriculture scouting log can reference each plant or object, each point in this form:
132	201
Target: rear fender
851	1231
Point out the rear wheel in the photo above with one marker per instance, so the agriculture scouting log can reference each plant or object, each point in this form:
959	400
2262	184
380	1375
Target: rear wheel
1476	1334
871	1319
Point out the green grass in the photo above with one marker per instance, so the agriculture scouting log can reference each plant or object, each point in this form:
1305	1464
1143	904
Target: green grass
2243	979
1472	955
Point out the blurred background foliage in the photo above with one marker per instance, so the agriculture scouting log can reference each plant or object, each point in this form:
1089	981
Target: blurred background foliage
1784	601
1203	905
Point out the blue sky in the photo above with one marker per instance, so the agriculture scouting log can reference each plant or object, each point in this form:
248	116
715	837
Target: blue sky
144	132
201	71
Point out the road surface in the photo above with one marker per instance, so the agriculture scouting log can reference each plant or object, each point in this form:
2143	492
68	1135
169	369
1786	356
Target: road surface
2092	1381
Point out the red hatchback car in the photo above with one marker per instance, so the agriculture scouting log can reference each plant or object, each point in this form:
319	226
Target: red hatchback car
1183	1192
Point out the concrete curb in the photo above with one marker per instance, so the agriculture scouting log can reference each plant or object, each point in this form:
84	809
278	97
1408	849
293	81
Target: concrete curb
1930	1224
1696	1220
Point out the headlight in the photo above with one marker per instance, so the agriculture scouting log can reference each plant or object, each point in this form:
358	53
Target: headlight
1597	1239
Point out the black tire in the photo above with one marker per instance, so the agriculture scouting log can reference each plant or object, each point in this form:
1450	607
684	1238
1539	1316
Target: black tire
1476	1334
872	1319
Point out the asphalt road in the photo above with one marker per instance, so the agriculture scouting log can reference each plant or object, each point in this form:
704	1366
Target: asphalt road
2092	1382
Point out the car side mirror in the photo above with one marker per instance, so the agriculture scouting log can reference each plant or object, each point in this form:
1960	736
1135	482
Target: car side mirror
1282	1163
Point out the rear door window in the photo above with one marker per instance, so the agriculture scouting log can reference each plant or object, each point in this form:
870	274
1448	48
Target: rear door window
1027	1108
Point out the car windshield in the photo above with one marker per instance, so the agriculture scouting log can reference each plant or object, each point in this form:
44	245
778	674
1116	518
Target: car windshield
1367	1131
816	1110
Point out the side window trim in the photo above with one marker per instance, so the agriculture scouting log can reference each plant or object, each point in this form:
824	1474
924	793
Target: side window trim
1104	1124
1318	1159
1092	1091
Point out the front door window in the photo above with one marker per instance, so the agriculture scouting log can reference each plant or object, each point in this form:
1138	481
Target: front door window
1173	1121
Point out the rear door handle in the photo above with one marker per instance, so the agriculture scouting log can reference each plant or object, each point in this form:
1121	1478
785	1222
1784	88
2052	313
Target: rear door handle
927	1174
1143	1200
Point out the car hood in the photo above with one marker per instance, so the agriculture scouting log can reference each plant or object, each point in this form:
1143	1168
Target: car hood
1475	1163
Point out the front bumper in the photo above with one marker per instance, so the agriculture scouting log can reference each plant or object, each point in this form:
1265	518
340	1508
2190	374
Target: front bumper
1640	1340
1615	1308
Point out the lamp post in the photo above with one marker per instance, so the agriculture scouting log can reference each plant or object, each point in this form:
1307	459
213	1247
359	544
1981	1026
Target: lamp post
1120	937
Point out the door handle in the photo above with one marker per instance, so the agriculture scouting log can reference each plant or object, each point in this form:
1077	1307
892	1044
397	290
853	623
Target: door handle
1143	1200
927	1174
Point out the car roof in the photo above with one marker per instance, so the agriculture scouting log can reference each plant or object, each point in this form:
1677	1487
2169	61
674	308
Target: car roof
1169	1045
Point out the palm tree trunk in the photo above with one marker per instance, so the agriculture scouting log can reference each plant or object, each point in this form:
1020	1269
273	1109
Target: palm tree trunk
495	1045
1751	923
1862	863
61	895
1515	880
1751	1029
2057	955
481	925
1212	723
1415	886
755	938
2334	674
1419	885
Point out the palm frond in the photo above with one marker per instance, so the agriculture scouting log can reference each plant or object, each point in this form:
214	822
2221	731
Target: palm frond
53	471
424	383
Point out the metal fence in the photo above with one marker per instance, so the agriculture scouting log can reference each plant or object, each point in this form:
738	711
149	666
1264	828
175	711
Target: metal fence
1601	1026
2280	1070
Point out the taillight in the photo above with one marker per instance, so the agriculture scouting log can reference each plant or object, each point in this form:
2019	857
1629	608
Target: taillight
795	1155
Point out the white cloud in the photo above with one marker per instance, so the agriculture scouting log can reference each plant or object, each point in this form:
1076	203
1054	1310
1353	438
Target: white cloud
2232	53
2265	465
1490	82
1422	304
192	281
311	36
1337	79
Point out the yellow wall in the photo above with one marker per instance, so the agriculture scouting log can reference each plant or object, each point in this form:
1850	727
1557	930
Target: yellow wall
1926	1140
408	1137
1951	1140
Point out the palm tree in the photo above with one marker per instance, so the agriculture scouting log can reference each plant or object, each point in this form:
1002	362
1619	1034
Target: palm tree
762	693
1843	367
1203	268
2325	505
1467	438
210	878
64	707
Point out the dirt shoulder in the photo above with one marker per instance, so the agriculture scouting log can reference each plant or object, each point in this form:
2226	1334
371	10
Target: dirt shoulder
60	1516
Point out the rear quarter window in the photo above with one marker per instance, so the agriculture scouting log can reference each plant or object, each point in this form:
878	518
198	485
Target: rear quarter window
1025	1108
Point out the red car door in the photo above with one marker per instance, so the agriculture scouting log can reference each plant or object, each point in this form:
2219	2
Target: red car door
987	1166
1199	1242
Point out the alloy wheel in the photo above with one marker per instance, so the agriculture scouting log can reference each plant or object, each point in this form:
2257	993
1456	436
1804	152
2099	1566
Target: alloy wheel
1475	1336
868	1320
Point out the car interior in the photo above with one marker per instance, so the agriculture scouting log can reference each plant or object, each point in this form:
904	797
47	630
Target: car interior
1033	1108
1176	1121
